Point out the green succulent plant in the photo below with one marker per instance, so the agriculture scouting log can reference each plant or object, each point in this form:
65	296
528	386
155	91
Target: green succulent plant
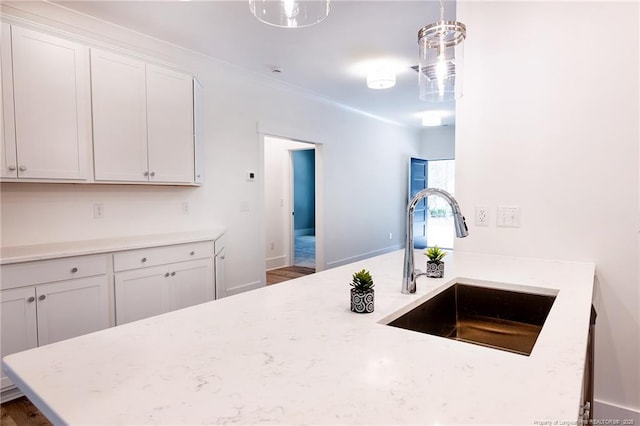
435	254
362	281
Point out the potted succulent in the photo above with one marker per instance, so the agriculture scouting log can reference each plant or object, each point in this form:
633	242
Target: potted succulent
435	265
362	292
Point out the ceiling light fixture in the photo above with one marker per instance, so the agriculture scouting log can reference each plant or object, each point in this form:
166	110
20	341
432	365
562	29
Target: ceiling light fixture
441	54
290	13
381	79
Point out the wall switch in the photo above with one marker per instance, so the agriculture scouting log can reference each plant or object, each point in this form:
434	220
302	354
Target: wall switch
508	216
272	246
98	211
482	216
251	176
390	235
186	208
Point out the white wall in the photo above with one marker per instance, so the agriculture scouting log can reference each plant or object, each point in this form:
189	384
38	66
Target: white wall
438	143
363	191
549	122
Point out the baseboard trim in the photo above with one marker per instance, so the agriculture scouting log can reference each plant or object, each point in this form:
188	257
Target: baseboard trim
276	262
10	394
362	256
610	413
244	287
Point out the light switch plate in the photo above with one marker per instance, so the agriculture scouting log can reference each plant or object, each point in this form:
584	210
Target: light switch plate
508	217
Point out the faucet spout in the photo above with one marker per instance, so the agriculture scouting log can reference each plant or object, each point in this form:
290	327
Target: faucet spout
410	274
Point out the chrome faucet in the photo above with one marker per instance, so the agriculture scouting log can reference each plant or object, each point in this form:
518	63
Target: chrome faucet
410	273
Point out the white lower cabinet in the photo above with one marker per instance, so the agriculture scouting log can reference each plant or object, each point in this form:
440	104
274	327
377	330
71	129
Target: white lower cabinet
37	315
19	325
167	284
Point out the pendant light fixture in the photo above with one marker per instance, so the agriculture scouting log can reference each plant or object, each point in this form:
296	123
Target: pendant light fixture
290	13
441	59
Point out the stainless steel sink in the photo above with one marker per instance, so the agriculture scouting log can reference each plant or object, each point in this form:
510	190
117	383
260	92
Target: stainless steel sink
497	318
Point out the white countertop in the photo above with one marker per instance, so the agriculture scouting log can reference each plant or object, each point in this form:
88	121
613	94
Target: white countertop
15	254
293	353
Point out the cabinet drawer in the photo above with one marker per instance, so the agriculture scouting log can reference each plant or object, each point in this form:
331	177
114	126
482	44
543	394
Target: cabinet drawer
46	271
155	256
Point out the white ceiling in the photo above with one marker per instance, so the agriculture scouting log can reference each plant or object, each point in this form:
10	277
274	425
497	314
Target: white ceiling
319	59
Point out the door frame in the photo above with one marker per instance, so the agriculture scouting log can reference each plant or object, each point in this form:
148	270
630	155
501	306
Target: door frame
286	131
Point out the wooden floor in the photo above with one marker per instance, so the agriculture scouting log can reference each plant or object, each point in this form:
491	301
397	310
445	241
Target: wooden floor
275	276
20	412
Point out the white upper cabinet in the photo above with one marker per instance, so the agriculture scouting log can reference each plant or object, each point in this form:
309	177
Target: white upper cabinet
142	121
7	130
119	117
51	105
170	125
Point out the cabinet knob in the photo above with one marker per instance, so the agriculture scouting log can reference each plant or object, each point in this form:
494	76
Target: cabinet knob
12	167
166	275
42	297
173	274
144	259
31	299
153	174
146	173
74	270
192	253
221	257
23	168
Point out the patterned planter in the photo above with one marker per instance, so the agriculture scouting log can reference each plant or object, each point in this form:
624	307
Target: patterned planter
435	269
362	301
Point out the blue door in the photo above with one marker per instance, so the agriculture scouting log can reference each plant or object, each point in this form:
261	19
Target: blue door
417	182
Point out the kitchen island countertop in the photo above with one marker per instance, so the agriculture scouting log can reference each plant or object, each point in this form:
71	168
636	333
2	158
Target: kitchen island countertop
293	353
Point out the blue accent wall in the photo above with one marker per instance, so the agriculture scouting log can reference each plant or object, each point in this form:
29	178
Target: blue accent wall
304	189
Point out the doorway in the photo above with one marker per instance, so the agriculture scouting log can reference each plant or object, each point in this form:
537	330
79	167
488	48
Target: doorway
289	203
433	220
303	250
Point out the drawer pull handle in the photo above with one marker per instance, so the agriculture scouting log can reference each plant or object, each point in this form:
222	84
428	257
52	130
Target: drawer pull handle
74	270
166	275
146	173
31	299
12	167
221	257
192	253
23	168
144	259
152	174
42	297
173	274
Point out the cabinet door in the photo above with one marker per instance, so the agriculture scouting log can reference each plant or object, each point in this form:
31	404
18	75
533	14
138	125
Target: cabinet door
18	325
191	283
170	125
72	308
221	283
7	129
52	105
119	117
141	293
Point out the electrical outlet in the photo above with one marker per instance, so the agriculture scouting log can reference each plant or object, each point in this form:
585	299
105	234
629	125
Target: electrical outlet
98	211
508	216
482	216
244	206
186	208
